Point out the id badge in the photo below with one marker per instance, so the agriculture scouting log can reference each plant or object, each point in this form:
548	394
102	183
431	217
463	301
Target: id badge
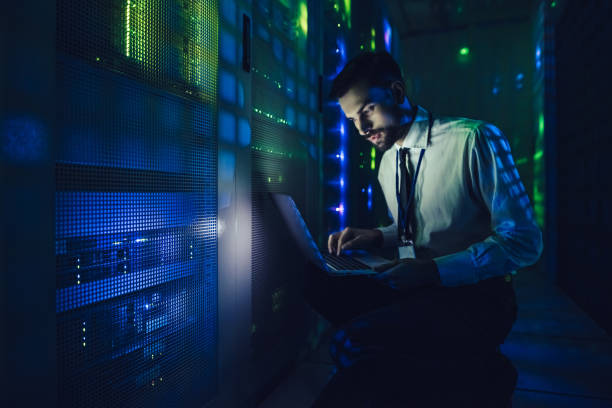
406	250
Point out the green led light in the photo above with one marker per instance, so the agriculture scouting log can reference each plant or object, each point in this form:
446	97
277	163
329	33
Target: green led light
347	12
553	4
373	153
521	161
464	51
272	151
361	47
539	206
541	124
373	40
303	18
127	28
272	117
201	61
373	164
538	155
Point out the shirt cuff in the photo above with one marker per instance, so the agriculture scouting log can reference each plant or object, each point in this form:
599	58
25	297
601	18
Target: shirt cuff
389	235
456	269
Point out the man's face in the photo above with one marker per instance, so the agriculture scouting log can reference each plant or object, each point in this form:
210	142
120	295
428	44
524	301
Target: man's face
374	112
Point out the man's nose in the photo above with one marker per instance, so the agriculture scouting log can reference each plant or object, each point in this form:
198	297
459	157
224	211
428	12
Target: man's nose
363	126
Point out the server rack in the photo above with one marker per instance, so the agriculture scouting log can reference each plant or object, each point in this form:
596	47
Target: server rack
136	203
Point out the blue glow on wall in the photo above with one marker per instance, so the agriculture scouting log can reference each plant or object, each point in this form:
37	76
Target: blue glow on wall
227	46
228	11
277	48
244	132
290	115
302	122
227	86
22	139
290	87
227	127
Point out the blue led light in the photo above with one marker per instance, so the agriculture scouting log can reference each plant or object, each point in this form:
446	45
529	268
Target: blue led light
342	182
387	33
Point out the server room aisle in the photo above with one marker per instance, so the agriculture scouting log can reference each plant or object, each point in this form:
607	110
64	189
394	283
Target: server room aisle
564	359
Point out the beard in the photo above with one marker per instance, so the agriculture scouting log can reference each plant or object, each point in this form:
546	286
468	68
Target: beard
386	137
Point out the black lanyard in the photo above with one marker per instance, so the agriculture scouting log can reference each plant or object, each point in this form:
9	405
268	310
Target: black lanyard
404	219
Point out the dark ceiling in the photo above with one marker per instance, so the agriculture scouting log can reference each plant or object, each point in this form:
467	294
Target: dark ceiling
417	17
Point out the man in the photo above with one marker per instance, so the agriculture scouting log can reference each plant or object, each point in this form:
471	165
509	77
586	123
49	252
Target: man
462	224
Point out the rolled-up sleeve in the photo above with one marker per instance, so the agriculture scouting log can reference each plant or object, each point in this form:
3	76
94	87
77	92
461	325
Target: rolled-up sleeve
516	240
389	235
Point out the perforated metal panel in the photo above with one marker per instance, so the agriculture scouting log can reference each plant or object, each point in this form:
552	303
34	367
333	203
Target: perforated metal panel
285	157
136	203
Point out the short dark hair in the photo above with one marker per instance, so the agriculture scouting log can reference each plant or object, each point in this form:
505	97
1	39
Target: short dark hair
376	68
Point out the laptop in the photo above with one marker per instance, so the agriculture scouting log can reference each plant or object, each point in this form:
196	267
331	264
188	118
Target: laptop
352	263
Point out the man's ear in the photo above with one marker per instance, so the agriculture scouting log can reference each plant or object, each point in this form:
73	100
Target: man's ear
398	90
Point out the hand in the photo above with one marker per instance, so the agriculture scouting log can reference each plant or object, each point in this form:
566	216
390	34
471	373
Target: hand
408	274
353	238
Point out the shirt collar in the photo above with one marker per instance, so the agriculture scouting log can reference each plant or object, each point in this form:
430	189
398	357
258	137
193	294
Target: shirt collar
418	132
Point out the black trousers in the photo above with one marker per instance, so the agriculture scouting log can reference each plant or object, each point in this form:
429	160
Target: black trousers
431	340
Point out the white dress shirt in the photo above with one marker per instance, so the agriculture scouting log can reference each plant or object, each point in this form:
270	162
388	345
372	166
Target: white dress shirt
471	213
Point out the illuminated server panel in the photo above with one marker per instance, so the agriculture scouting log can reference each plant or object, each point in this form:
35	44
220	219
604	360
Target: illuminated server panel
337	39
285	157
136	203
352	194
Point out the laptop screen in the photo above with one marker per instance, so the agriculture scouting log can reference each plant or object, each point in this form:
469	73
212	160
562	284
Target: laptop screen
298	228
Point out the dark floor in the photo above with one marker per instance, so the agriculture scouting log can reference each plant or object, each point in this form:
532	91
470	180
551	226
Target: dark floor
563	358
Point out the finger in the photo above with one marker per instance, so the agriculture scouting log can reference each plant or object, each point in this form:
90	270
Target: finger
331	242
352	243
344	235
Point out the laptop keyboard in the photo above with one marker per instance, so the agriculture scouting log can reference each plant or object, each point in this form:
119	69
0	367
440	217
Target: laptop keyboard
343	262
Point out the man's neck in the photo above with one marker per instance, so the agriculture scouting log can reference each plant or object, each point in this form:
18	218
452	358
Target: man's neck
406	119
